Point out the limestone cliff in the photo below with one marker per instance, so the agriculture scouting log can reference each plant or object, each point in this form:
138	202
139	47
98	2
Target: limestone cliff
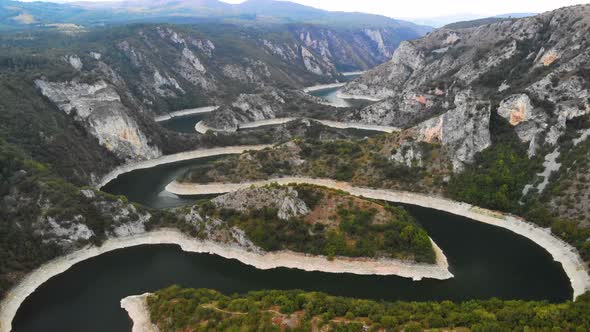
99	108
534	69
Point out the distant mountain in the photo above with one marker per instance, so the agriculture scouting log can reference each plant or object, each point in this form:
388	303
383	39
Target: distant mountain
19	15
486	20
441	21
516	15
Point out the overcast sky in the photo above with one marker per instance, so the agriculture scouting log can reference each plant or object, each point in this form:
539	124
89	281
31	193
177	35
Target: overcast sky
432	8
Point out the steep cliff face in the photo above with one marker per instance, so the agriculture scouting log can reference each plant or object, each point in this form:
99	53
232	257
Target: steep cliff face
109	83
464	130
99	108
352	49
246	108
266	104
534	69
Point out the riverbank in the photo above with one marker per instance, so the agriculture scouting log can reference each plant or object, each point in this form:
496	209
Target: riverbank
343	95
181	113
263	261
562	252
172	158
323	87
353	73
201	128
137	309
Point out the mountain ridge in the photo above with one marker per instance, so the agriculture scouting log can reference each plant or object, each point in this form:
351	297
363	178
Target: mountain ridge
25	15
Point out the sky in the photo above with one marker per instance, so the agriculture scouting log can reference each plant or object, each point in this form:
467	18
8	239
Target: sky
432	8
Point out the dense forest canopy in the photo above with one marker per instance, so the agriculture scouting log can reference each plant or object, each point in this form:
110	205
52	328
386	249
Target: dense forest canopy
175	308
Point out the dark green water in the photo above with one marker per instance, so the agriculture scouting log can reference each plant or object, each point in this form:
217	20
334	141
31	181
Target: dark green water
183	124
146	186
329	95
487	262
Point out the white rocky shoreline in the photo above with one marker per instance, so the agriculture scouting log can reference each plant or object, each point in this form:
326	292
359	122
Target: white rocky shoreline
202	128
343	95
263	261
185	112
172	158
353	73
323	87
562	252
137	309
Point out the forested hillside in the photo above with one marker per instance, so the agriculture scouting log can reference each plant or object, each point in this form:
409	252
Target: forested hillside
175	308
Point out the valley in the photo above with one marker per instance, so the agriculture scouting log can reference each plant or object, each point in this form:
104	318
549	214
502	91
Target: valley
291	156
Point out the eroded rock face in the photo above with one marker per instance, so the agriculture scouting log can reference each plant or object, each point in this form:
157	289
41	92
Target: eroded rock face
75	61
128	221
64	232
284	199
98	106
404	110
464	131
248	108
408	154
376	36
553	39
311	63
339	48
534	68
528	121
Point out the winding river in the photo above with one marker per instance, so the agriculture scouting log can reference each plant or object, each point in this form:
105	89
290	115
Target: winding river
487	262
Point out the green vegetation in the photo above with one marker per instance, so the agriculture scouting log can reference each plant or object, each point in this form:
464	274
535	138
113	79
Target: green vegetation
497	177
32	198
361	162
337	225
175	309
495	180
499	174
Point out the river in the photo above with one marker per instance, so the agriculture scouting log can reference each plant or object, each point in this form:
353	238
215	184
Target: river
487	262
330	96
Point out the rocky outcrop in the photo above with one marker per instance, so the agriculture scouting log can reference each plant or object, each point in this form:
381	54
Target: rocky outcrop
267	104
404	110
534	68
408	154
99	108
470	55
361	48
463	131
527	120
65	233
284	199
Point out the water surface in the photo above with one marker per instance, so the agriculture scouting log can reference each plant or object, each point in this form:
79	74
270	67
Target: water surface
330	96
184	124
147	186
487	262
